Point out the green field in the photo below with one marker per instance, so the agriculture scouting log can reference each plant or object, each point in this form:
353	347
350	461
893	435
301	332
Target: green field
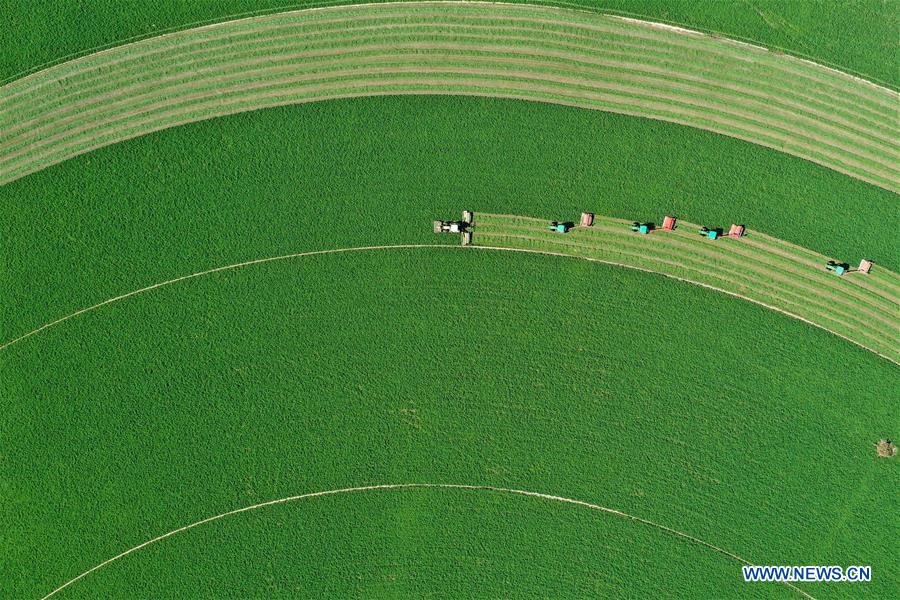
859	38
298	387
747	430
326	172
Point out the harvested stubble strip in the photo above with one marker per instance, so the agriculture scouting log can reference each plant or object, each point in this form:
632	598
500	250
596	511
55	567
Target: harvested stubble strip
69	105
842	88
879	282
700	258
404	35
692	274
216	106
412	82
691	79
251	80
641	256
675	257
776	267
538	66
560	69
802	263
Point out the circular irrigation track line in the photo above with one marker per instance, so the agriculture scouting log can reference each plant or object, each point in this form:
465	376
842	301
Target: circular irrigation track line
408	486
657	259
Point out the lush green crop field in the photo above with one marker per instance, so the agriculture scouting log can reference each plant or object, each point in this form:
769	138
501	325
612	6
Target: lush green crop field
545	374
376	171
860	37
423	543
704	413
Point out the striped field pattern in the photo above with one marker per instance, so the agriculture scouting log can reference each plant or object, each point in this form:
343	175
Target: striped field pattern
757	267
534	53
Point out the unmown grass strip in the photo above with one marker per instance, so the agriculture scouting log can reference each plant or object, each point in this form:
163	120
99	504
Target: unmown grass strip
873	163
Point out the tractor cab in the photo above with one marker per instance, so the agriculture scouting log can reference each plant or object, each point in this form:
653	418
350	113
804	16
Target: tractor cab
836	267
558	227
712	234
642	228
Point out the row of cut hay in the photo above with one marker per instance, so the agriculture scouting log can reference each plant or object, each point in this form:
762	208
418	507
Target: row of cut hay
753	271
743	257
533	53
827	305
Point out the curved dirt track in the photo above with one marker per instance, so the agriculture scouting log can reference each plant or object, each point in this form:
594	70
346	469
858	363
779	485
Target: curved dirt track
412	486
533	53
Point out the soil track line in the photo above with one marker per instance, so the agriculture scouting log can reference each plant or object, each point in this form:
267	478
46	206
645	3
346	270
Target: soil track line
439	486
210	272
414	246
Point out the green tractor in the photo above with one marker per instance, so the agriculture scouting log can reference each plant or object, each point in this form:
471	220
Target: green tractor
712	234
642	228
557	227
836	267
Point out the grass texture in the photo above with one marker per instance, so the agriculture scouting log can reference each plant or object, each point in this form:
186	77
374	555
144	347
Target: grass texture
859	38
444	365
535	53
377	171
860	308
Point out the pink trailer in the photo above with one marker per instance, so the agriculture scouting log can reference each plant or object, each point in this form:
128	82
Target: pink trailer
736	230
668	223
865	266
587	219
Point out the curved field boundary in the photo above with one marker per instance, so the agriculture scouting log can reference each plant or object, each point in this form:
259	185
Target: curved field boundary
528	52
407	486
821	301
864	309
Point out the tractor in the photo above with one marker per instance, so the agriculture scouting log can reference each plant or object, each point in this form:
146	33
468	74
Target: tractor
557	227
712	234
449	226
643	228
463	227
836	267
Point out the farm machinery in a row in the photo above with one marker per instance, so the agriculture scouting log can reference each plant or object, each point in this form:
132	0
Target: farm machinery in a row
711	233
463	227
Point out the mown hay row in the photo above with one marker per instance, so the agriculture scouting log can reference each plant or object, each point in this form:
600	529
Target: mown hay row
796	287
533	53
